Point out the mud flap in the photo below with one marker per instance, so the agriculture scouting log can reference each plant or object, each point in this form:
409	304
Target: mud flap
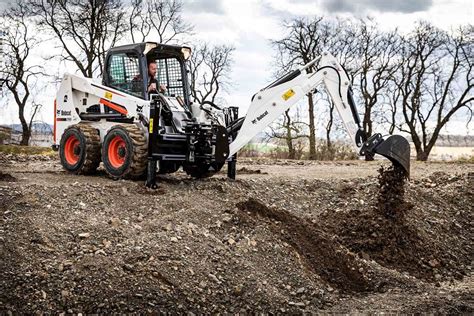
395	148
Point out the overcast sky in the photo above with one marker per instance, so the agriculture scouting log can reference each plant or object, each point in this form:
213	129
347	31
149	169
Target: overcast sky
249	25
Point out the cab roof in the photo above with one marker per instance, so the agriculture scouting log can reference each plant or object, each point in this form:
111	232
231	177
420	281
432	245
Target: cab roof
152	49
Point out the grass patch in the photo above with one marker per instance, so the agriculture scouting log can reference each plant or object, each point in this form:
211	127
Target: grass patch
27	150
465	159
338	151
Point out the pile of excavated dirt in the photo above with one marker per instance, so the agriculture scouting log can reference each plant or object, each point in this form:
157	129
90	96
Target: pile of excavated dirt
321	254
399	234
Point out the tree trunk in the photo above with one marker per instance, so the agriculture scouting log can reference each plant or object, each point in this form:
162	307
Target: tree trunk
422	155
291	150
25	137
421	152
328	139
289	138
367	124
312	128
26	133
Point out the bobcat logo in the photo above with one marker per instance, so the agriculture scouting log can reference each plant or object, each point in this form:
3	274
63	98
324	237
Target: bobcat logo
260	117
139	108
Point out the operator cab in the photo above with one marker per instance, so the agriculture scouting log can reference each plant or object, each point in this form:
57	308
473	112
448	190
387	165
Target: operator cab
127	71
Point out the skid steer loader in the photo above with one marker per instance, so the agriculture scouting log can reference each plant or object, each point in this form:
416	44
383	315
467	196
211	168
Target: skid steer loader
136	133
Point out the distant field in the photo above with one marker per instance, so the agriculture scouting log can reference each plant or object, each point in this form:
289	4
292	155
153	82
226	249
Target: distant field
29	150
445	153
451	153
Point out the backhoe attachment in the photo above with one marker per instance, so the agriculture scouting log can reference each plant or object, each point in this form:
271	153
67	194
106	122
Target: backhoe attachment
270	102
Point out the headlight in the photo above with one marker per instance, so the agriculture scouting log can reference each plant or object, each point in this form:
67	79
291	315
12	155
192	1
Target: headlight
186	52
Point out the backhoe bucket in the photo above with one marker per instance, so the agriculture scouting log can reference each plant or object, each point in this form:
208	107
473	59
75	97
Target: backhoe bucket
397	149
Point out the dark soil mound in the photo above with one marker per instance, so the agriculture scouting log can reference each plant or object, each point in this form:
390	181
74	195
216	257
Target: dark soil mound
381	231
245	170
386	233
322	254
6	177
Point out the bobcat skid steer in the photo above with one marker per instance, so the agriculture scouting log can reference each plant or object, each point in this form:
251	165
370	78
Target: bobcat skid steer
135	133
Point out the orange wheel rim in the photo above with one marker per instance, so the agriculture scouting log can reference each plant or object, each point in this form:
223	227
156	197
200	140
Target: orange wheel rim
72	150
117	152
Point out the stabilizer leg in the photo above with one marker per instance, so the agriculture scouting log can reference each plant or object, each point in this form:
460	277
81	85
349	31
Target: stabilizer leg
231	167
151	174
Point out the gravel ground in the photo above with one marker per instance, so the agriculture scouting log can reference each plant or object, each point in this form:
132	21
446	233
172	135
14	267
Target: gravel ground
285	237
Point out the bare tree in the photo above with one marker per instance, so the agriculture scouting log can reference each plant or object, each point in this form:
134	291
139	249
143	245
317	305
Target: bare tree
435	82
343	44
305	41
160	16
210	70
290	129
16	73
84	29
376	51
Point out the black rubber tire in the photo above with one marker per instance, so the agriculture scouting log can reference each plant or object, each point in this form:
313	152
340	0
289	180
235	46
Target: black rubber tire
89	149
136	152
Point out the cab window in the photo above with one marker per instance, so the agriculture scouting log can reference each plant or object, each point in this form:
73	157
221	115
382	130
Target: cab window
169	74
124	74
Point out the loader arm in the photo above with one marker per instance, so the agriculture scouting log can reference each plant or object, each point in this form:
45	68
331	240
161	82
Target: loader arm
269	103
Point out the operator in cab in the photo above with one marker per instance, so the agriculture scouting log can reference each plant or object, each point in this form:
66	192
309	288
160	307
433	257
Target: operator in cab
152	82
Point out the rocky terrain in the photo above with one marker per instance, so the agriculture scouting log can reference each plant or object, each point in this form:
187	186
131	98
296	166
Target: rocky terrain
285	237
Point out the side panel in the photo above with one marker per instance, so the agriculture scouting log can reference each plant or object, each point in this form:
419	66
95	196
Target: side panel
96	91
77	93
66	114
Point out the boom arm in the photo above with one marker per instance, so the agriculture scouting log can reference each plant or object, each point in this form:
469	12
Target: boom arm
269	103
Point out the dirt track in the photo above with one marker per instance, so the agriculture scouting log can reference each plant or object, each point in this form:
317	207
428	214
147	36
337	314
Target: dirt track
285	237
